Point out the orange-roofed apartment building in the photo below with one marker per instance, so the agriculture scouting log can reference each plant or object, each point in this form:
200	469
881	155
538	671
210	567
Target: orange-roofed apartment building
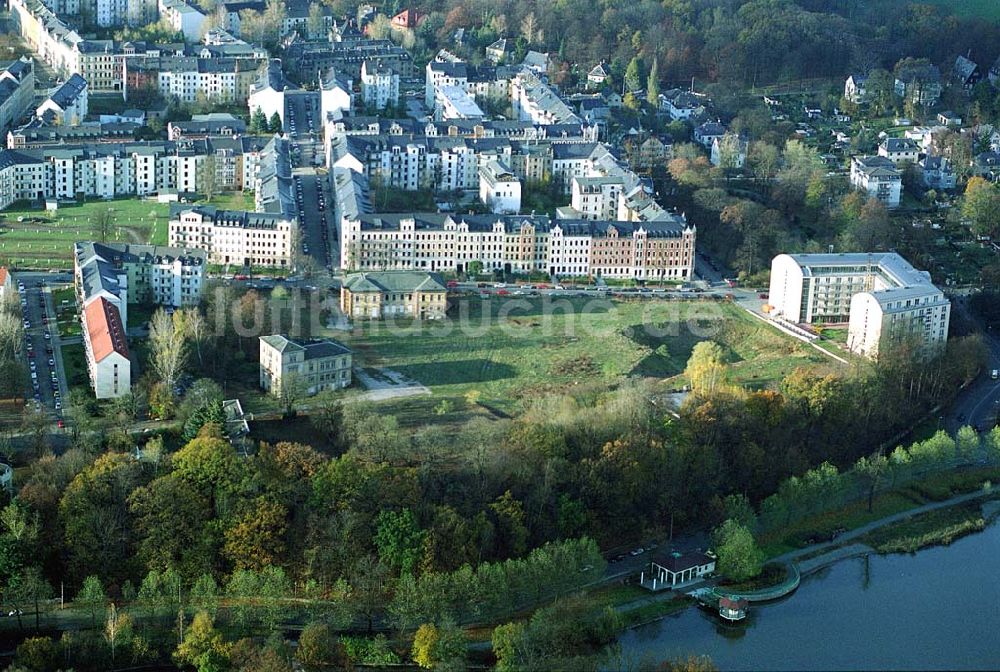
107	350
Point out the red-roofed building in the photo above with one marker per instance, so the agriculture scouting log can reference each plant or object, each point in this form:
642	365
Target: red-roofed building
733	609
408	18
107	349
5	281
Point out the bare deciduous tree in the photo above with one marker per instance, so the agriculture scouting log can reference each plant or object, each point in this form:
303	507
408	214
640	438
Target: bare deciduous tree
168	346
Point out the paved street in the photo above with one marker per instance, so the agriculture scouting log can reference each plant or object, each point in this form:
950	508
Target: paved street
314	211
42	345
977	405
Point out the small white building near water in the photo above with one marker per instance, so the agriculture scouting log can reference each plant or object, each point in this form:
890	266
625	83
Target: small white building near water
678	568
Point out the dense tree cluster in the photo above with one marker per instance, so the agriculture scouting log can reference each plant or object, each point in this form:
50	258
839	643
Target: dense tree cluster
735	41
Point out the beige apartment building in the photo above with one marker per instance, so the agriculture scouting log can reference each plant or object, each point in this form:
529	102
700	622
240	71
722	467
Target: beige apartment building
316	365
384	294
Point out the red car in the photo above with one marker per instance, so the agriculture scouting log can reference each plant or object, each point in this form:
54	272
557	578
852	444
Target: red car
503	292
452	283
60	424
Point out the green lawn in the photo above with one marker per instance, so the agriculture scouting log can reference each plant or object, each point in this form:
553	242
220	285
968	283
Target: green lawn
518	350
235	200
75	364
45	239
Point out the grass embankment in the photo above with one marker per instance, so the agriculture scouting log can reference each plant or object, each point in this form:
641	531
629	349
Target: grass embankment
935	528
822	527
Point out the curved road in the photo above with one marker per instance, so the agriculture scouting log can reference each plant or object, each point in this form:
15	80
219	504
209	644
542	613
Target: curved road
977	405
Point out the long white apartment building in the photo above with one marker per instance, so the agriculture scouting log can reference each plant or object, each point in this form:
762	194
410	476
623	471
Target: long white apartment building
234	236
113	170
879	295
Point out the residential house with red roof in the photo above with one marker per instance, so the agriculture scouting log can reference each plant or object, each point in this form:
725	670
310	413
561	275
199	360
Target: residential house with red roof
107	349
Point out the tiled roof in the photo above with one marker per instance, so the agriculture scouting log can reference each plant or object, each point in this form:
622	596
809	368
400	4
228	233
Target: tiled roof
105	330
394	281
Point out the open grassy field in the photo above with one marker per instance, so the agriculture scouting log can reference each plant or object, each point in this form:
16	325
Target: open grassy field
45	239
513	351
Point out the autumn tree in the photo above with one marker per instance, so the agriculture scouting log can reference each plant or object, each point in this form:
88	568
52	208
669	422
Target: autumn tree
706	370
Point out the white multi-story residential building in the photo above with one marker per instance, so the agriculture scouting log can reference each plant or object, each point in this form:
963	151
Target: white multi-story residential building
681	105
67	104
112	170
879	295
499	188
596	198
314	365
533	100
879	177
335	95
183	18
234	236
17	92
899	150
453	102
267	93
188	79
106	349
379	86
662	249
110	275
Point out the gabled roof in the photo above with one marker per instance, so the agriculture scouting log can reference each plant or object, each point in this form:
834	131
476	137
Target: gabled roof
105	330
4	276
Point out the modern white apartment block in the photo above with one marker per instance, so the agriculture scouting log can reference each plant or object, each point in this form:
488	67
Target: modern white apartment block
112	170
68	104
379	86
499	188
879	177
315	365
879	295
17	92
233	236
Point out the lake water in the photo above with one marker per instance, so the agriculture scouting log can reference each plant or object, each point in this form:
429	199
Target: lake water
937	609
